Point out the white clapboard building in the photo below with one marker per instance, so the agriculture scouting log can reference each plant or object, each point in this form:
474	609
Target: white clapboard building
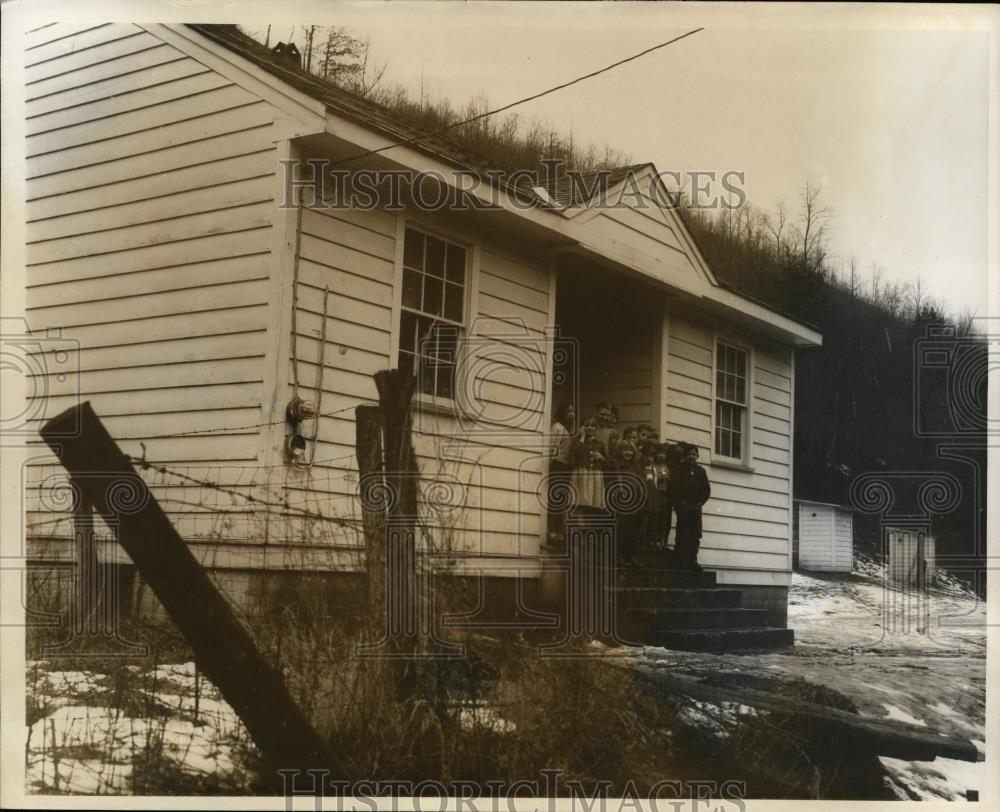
201	308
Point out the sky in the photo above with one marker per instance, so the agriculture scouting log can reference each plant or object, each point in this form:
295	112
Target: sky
887	111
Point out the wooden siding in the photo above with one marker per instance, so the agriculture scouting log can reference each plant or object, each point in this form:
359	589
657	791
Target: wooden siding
490	467
150	182
746	522
637	231
153	242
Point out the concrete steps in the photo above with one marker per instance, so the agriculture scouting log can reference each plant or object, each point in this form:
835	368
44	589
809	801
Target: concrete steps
652	597
767	639
663	606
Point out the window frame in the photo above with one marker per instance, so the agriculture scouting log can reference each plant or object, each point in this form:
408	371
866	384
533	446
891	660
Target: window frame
471	282
743	460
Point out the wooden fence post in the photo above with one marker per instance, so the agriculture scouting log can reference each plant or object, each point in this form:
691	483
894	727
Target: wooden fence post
222	647
395	395
403	629
371	477
88	587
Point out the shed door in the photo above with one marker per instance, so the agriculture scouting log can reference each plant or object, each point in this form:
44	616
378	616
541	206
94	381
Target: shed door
815	532
843	536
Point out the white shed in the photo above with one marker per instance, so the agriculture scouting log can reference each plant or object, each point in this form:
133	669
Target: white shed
824	536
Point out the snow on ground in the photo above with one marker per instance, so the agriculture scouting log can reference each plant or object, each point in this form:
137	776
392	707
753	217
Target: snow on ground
88	728
918	659
862	610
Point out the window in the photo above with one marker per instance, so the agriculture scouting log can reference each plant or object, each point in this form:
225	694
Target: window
432	312
730	401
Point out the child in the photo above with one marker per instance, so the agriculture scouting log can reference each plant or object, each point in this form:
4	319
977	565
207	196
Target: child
605	430
587	477
631	435
560	466
657	498
646	441
691	492
629	471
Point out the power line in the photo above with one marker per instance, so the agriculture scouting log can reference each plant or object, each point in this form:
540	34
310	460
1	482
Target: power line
592	74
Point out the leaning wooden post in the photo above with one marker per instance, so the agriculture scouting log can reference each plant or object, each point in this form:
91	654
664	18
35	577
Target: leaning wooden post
222	647
371	478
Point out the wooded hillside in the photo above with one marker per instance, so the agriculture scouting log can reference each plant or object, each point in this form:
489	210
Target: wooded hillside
894	369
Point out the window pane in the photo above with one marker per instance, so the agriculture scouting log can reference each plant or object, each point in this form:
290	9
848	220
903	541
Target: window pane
741	363
411	289
731	374
433	308
407	331
729	430
445	380
435	257
433	295
405	362
456	264
425	380
446	342
424	325
453	302
413	250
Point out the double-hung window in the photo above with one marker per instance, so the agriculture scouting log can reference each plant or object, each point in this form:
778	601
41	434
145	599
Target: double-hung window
432	310
731	406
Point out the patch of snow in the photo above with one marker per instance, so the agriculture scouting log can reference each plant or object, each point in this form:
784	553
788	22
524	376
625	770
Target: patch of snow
899	715
480	716
943	778
84	746
863	611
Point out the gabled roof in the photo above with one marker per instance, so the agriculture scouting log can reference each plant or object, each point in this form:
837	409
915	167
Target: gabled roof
556	201
580	188
344	103
564	191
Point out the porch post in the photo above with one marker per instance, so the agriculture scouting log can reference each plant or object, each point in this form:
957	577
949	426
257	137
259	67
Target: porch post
661	363
552	332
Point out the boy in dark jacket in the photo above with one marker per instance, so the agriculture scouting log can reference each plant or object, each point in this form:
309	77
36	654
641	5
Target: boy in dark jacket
690	491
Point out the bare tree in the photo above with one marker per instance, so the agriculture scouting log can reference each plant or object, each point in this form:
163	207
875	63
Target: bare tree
878	273
915	297
309	31
811	231
368	75
776	225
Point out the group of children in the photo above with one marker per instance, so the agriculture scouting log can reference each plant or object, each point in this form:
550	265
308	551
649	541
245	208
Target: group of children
631	475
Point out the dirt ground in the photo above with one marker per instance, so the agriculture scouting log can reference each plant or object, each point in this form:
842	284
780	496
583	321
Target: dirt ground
919	660
896	655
